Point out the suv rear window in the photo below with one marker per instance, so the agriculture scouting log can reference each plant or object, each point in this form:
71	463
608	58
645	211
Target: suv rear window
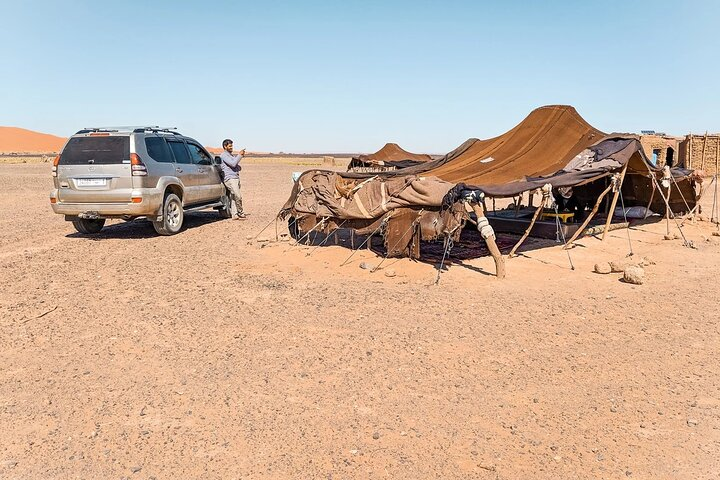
96	150
158	149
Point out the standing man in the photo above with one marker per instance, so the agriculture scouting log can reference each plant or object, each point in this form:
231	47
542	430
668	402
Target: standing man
231	167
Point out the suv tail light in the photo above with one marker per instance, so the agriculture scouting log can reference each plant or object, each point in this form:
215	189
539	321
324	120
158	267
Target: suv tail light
137	167
55	164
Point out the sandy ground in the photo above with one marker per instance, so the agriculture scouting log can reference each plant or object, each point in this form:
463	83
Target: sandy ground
128	355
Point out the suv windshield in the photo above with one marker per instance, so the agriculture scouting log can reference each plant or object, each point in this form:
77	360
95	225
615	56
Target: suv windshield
96	150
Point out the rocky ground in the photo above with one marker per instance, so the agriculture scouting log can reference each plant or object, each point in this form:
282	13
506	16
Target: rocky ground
128	355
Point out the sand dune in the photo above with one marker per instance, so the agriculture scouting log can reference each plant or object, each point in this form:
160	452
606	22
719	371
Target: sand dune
13	139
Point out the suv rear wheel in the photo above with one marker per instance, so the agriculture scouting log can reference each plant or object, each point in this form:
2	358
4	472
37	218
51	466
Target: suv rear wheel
226	210
172	216
86	226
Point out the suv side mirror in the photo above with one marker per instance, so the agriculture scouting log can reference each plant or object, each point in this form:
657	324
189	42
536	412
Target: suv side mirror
217	160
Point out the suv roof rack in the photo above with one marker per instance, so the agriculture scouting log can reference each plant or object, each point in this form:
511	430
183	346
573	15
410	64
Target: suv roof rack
154	128
96	129
157	129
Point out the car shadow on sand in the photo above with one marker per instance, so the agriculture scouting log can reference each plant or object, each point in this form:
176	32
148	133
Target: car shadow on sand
142	228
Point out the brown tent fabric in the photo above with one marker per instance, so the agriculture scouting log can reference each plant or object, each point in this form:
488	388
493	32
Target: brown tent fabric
390	155
553	144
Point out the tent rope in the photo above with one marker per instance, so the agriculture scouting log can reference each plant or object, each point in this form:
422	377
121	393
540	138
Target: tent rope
383	222
320	224
686	242
327	237
266	227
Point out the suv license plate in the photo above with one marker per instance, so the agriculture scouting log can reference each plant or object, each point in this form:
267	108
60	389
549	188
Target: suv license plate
91	182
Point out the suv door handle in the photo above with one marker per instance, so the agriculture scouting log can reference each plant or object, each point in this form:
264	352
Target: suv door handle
179	170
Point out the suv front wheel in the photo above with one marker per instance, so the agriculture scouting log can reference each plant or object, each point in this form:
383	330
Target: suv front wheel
172	216
86	226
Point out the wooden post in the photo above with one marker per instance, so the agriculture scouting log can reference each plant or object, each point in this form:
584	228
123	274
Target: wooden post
417	236
690	149
702	158
614	201
527	232
667	209
652	196
490	241
589	217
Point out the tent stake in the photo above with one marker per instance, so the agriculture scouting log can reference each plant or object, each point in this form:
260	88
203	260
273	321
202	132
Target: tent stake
589	217
614	201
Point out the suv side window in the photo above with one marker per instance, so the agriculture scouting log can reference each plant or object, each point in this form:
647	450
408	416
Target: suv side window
158	150
199	156
180	151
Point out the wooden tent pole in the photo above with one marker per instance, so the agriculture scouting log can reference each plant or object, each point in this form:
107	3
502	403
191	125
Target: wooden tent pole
488	234
614	201
589	217
652	196
667	209
527	232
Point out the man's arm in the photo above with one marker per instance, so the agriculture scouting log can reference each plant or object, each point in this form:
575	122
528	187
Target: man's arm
230	160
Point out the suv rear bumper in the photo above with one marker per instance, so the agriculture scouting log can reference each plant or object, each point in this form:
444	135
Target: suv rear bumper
150	201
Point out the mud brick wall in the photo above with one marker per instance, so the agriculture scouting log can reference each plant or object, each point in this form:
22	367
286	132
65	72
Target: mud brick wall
691	151
657	142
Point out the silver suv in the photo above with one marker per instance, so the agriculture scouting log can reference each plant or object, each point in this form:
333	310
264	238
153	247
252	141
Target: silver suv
133	172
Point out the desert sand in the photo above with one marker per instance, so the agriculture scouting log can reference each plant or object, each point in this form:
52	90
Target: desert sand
208	355
13	139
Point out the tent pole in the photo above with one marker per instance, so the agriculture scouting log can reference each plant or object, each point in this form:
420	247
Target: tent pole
532	224
488	234
667	210
589	217
614	201
652	196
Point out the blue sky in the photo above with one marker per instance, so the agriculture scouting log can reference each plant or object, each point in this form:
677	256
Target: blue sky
348	76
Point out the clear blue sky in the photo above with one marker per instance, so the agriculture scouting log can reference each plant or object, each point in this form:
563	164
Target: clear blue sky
324	76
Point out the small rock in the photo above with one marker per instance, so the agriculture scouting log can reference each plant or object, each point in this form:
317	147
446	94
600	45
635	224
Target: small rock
376	435
262	240
716	234
390	273
557	458
634	275
403	433
613	409
9	463
354	452
619	266
249	237
645	261
93	434
135	469
692	422
603	268
366	266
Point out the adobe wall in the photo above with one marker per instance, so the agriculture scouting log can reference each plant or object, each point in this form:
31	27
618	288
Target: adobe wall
661	143
692	148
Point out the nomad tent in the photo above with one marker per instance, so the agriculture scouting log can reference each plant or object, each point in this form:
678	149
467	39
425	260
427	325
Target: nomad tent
389	157
553	147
